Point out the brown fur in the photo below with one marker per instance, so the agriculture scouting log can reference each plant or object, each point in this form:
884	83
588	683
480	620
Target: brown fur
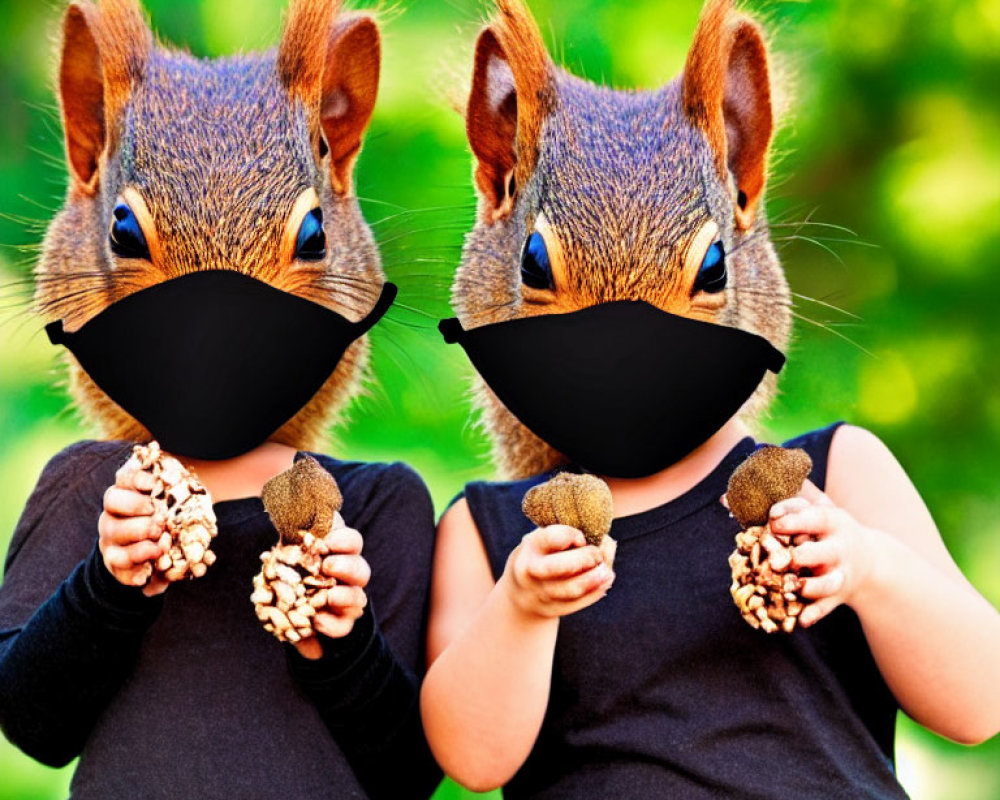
218	151
504	129
727	93
625	182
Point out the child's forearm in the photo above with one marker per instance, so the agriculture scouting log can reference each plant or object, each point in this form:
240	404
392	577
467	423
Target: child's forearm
936	641
60	670
485	696
369	701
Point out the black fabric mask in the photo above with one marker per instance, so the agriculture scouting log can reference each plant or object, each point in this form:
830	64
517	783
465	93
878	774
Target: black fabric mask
213	362
622	388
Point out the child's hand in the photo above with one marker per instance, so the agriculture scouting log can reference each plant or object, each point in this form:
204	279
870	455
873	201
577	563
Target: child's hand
554	572
347	600
129	531
829	543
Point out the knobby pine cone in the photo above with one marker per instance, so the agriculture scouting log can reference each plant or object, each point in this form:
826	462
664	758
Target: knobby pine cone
186	506
765	587
304	504
580	501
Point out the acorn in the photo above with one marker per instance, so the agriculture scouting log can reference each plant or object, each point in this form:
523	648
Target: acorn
304	504
580	501
185	505
764	586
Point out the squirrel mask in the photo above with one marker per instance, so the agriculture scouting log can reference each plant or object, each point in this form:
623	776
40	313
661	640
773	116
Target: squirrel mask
619	294
210	268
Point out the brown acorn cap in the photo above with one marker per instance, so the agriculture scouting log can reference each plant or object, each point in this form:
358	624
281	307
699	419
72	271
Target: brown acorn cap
302	498
580	501
767	476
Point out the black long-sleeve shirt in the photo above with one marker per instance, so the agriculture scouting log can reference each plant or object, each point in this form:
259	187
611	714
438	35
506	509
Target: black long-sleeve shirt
185	695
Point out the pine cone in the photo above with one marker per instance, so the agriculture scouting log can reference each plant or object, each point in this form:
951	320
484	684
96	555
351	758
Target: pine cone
765	587
580	501
304	504
186	506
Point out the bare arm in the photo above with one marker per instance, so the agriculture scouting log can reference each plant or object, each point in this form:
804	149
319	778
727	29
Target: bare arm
935	638
491	645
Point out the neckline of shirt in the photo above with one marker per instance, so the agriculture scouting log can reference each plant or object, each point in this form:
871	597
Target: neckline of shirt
705	492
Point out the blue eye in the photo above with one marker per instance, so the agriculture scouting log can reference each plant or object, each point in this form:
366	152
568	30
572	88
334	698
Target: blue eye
126	237
712	275
311	242
536	271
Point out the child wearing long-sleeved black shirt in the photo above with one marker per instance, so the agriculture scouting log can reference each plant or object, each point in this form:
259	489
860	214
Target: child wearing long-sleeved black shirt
184	694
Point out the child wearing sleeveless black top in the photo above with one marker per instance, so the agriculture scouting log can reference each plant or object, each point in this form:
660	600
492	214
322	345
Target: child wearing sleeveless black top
639	716
658	688
621	301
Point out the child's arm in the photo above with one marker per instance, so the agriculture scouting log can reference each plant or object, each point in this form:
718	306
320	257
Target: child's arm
362	672
876	548
491	645
63	658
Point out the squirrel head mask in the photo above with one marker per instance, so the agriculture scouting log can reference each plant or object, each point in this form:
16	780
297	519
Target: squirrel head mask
594	204
202	176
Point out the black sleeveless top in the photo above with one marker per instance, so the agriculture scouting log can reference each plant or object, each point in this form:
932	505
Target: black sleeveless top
661	690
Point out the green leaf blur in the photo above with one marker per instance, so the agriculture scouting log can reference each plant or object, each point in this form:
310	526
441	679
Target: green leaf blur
884	200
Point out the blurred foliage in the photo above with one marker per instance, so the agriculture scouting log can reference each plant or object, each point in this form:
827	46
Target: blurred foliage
884	201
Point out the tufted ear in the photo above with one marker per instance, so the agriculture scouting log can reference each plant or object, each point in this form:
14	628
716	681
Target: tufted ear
512	92
332	65
727	94
350	86
103	55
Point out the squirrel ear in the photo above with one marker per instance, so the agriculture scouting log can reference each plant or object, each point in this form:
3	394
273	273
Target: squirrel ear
104	51
332	65
512	91
350	85
491	124
727	94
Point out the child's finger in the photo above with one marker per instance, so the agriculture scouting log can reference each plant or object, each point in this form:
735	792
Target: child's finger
811	492
576	587
825	585
344	540
138	575
353	570
118	558
127	502
141	552
564	564
792	504
814	612
331	625
564	607
341	598
125	530
553	538
609	548
310	648
129	476
815	520
816	554
156	585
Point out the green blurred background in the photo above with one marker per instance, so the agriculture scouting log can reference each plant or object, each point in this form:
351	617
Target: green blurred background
884	203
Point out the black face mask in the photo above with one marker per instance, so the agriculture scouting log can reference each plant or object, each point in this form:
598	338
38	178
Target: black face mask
623	388
213	362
